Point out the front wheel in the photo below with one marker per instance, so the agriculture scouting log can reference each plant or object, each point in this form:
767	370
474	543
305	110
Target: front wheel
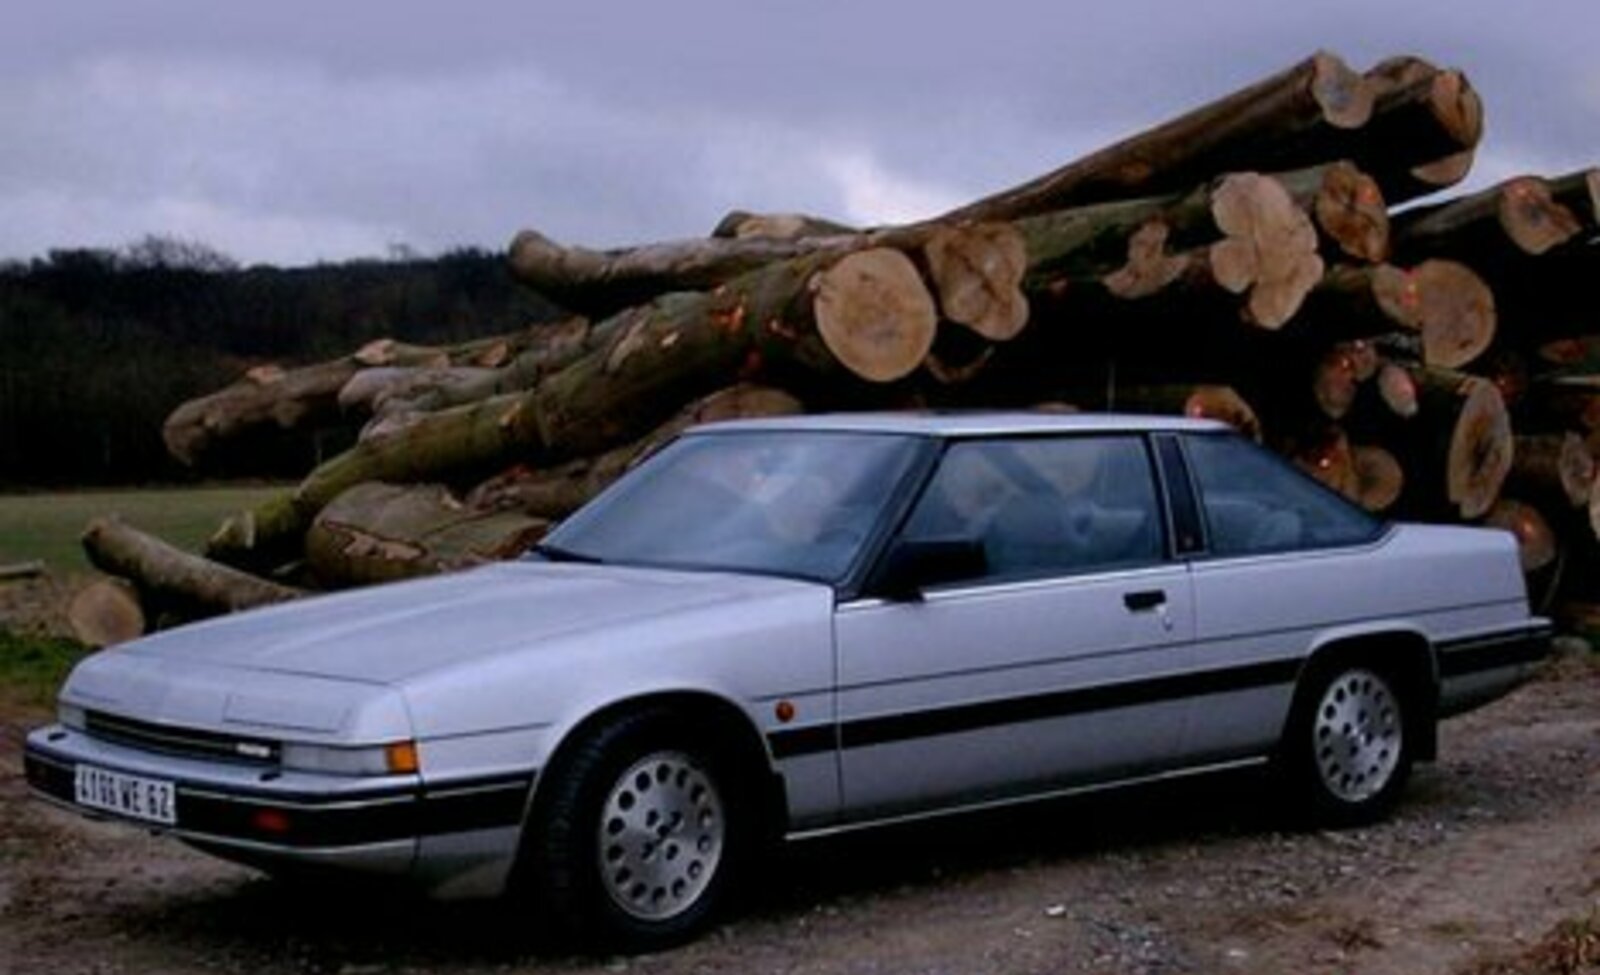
636	842
1348	748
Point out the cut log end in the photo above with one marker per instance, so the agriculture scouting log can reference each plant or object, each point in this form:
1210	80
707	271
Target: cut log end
1398	390
105	612
1446	172
1532	218
1351	211
977	270
1150	267
874	314
1270	248
1379	478
1457	107
1481	450
1446	302
1537	545
1344	95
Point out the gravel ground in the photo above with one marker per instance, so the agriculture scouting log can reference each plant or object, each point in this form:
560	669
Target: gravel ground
1494	847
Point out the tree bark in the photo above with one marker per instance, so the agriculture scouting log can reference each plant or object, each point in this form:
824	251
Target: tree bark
273	397
1426	125
1447	304
558	491
376	533
1526	215
171	575
1462	443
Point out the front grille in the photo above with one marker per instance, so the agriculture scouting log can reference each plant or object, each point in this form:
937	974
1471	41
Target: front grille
186	742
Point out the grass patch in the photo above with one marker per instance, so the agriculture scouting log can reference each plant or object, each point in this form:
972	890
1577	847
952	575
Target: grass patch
33	667
47	526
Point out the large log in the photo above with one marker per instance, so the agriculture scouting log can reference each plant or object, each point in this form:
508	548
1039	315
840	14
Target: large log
558	491
383	532
269	397
173	576
1445	303
1395	119
1526	215
1426	126
1462	444
1346	205
653	359
1260	126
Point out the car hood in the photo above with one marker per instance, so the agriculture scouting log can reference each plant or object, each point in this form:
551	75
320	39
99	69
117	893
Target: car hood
390	634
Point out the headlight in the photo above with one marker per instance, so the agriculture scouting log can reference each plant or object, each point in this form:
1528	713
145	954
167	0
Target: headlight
395	758
71	715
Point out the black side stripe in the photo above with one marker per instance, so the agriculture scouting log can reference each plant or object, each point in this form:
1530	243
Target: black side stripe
1035	707
1459	658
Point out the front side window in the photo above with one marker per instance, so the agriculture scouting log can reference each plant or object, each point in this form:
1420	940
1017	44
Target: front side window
792	503
1044	506
1256	503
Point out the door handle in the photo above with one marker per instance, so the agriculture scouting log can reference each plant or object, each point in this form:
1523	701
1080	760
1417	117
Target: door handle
1143	600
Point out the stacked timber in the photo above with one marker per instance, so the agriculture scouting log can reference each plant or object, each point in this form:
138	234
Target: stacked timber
1250	260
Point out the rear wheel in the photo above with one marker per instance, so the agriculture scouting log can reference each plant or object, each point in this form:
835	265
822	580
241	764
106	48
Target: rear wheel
636	839
1348	747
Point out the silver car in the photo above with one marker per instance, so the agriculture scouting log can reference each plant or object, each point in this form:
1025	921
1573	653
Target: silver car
789	627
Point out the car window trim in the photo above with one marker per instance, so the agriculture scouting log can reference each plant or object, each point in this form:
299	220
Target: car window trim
1383	527
865	590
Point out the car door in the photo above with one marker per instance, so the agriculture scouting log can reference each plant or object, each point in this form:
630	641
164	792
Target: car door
1282	561
1052	666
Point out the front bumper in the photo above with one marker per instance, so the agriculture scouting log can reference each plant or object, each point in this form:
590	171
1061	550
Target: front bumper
266	817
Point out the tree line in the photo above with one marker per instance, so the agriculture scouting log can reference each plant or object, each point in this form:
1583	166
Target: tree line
97	346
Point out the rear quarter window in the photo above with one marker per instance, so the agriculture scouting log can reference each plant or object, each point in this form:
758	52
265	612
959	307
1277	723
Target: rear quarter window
1254	502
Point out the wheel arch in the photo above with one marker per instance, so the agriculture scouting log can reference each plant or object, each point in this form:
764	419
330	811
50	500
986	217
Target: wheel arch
1402	652
724	722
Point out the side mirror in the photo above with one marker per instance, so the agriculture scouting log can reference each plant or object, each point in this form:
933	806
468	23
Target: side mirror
913	565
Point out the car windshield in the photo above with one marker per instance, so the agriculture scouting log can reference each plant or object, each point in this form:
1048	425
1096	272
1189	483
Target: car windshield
791	503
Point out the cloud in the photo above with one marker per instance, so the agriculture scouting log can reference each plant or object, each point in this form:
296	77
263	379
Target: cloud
872	194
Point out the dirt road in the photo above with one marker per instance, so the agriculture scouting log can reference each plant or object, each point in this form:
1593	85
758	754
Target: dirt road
1496	845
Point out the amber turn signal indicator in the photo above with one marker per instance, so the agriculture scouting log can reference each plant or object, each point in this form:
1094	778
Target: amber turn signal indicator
401	757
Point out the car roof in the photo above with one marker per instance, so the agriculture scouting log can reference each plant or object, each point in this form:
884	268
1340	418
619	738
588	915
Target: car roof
968	424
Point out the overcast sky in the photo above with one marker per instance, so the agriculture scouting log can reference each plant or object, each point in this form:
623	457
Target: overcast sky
290	131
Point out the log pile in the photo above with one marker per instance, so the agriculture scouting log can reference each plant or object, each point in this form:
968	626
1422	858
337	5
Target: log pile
1250	260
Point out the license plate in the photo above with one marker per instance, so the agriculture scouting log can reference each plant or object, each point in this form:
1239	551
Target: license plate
134	796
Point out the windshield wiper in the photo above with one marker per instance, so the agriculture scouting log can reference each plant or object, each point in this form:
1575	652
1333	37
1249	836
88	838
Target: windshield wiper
555	553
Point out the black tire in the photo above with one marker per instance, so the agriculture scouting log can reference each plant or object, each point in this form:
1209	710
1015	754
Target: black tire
1349	746
636	840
